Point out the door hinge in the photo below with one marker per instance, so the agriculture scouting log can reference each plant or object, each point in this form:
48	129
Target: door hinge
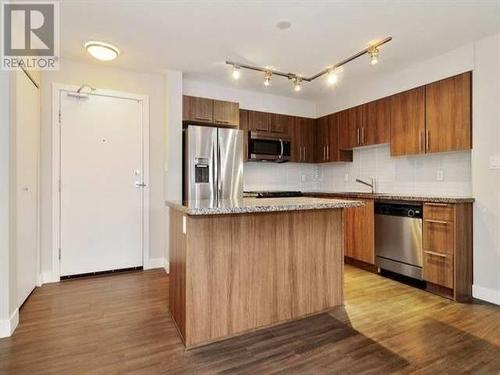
59	253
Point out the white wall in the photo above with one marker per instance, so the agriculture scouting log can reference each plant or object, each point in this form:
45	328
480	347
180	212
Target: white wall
486	181
103	77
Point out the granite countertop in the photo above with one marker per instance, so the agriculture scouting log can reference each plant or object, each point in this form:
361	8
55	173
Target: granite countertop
391	196
252	205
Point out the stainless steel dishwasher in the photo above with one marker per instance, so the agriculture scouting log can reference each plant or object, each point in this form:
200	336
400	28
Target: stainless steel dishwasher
398	238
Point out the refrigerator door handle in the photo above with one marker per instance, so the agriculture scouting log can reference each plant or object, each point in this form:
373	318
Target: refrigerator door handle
214	172
219	175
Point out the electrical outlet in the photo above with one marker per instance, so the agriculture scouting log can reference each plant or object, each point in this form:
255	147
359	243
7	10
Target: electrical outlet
440	175
346	177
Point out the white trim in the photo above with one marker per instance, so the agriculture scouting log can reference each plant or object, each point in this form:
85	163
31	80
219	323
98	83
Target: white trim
486	294
7	326
155	263
55	275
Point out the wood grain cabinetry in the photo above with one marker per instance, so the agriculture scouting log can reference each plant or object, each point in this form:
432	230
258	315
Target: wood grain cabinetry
448	114
209	111
359	241
327	140
259	121
377	128
244	126
303	140
408	122
280	123
447	247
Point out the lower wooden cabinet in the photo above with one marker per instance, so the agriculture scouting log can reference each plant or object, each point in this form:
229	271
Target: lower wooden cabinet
359	233
447	249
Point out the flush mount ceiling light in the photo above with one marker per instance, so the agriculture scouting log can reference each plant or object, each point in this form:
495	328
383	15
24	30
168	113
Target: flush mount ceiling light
102	51
332	72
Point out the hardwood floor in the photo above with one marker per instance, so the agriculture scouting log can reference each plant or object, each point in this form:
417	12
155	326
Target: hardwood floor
120	324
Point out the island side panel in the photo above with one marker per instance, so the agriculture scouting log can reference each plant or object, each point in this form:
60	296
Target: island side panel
177	271
254	270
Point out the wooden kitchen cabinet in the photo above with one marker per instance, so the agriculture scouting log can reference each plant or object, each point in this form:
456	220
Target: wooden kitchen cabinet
327	140
197	109
377	128
243	114
208	111
259	121
447	249
359	240
226	113
303	140
448	114
280	123
322	139
408	122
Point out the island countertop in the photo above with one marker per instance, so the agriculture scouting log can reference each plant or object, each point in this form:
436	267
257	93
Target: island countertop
254	205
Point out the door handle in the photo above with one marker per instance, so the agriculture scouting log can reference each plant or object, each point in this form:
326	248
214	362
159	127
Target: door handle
357	136
327	152
324	153
421	141
436	221
140	184
435	254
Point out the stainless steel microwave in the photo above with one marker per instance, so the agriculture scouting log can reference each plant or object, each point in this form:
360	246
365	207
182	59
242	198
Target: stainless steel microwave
269	147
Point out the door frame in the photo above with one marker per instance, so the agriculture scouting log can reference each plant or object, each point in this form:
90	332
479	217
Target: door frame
57	89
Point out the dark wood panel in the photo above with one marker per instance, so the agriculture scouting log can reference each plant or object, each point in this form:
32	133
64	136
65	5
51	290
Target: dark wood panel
322	139
226	113
408	122
259	121
360	232
197	109
438	268
448	114
244	126
378	122
280	123
463	276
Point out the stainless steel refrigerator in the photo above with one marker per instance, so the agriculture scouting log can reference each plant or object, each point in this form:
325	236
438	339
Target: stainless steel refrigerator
213	163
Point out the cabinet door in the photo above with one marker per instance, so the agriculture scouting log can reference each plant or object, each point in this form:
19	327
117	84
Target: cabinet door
359	241
226	113
408	122
309	138
322	139
346	141
259	121
244	128
197	109
356	120
280	123
448	114
295	135
378	122
333	151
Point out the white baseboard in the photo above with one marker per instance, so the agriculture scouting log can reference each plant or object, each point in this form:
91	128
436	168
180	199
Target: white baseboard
7	326
486	294
155	263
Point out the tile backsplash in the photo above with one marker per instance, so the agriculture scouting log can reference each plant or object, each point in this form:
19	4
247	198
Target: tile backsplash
442	174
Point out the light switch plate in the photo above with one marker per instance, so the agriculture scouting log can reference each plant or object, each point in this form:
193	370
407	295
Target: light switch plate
495	162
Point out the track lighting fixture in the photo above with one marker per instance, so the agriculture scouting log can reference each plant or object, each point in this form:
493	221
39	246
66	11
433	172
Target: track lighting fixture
236	72
296	83
374	52
267	78
332	72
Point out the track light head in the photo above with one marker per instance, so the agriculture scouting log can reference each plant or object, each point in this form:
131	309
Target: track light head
267	78
297	84
236	72
374	54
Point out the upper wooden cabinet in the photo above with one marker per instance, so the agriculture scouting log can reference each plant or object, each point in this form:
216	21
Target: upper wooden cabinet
408	122
226	113
303	140
259	121
377	128
280	123
448	114
244	127
327	140
209	111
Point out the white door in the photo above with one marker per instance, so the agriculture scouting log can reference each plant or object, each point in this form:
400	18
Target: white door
101	166
27	135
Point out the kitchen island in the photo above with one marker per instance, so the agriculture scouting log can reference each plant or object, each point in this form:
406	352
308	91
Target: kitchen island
236	266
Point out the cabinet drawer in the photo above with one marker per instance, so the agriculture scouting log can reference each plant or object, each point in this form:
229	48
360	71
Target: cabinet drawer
438	268
439	211
438	236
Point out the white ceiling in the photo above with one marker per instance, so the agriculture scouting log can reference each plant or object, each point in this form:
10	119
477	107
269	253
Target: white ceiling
196	37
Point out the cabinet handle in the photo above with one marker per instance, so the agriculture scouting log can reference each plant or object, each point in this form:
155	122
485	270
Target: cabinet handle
324	153
436	221
305	157
363	135
222	122
428	141
202	118
357	136
421	141
437	204
328	152
435	254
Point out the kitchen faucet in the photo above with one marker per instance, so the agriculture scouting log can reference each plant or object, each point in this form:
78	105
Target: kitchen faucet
372	185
